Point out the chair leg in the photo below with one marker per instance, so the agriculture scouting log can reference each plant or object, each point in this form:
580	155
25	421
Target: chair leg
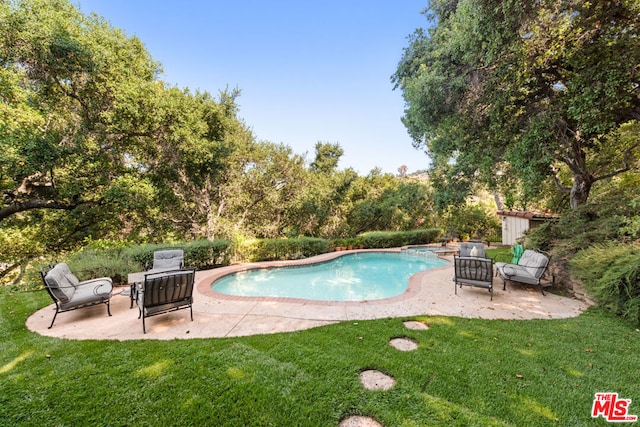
54	318
108	308
144	329
191	309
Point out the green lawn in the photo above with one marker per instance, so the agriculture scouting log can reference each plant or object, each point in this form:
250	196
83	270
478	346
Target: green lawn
465	372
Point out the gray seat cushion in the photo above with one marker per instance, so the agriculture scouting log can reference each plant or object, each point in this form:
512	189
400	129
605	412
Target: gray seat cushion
90	291
468	249
170	258
534	262
529	270
62	282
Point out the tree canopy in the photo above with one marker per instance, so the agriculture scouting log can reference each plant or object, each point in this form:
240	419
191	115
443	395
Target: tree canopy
95	146
501	89
92	142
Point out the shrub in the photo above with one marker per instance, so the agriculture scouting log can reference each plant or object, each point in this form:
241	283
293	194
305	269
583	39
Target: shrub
394	239
199	254
281	249
472	221
576	230
611	273
92	264
204	254
143	254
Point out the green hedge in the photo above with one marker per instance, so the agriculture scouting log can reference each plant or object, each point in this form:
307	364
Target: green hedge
611	273
206	254
199	254
394	239
281	249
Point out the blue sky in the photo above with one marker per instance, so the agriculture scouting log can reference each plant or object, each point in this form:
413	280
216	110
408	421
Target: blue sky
307	71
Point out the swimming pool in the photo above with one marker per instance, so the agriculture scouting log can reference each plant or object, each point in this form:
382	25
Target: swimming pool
351	277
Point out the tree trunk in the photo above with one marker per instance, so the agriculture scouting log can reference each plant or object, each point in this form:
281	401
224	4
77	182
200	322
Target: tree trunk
498	199
581	187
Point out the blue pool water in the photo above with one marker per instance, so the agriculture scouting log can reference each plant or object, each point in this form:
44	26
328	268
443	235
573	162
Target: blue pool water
353	277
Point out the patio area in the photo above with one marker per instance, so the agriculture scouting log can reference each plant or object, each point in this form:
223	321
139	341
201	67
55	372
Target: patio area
215	315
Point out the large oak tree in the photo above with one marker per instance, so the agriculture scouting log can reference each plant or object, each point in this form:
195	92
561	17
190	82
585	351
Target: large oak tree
62	75
499	89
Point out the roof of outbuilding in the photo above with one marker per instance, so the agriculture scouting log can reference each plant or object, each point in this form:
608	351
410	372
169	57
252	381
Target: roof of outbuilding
529	215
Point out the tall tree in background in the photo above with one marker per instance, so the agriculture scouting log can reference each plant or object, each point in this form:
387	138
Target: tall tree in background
535	90
320	207
93	144
61	75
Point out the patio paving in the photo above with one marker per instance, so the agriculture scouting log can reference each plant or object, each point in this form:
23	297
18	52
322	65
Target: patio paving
216	316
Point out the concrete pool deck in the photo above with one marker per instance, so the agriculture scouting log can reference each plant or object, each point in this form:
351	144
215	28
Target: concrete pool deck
215	315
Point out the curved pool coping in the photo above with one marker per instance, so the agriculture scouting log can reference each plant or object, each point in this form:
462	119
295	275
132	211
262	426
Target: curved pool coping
204	286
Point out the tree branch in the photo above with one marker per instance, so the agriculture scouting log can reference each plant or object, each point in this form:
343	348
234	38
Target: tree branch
561	187
14	208
625	166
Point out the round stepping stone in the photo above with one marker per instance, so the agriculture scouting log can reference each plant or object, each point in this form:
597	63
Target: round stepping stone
415	325
376	380
359	421
404	344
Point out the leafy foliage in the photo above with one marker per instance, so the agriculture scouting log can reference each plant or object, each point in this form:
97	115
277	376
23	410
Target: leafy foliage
606	218
198	254
394	239
96	148
611	272
497	90
282	249
471	221
93	264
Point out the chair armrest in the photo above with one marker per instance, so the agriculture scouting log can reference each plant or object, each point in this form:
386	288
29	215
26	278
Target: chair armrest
102	285
98	279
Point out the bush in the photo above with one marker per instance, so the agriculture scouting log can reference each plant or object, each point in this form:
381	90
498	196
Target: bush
611	273
199	254
604	219
205	254
281	249
394	239
93	264
472	221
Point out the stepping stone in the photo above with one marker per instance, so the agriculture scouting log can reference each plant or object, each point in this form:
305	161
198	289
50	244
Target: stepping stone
376	380
404	344
359	421
415	325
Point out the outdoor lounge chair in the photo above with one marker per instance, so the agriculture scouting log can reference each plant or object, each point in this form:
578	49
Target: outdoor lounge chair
168	258
473	271
163	260
529	269
165	292
69	293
